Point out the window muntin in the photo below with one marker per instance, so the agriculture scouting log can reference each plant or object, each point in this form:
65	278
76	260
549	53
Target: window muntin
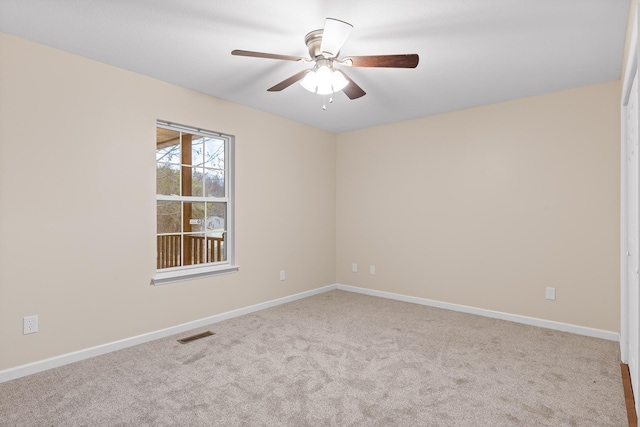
194	199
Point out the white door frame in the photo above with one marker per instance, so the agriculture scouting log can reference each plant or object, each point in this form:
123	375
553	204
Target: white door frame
630	73
632	68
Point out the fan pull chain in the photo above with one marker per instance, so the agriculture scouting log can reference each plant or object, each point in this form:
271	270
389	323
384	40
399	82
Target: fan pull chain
324	101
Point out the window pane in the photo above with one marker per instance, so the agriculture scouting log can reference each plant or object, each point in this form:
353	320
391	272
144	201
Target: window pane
216	215
195	213
216	231
169	217
214	183
167	146
197	150
197	185
191	182
167	179
214	153
194	248
167	157
169	250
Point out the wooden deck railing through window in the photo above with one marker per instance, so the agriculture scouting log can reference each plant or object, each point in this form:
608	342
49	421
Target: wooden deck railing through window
197	250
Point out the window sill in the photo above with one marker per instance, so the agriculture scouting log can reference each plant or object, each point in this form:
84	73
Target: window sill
177	275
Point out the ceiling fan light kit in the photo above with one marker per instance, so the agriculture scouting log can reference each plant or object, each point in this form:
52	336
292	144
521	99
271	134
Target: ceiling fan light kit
324	47
323	79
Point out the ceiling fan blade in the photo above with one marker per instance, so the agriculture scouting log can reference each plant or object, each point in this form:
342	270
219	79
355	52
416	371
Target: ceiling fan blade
288	82
390	61
267	55
334	35
352	90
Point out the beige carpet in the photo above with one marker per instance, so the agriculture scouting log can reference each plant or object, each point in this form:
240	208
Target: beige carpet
336	359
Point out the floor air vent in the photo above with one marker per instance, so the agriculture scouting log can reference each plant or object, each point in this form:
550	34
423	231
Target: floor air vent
195	337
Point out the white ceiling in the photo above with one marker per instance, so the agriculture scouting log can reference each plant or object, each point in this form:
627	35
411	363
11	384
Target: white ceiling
471	52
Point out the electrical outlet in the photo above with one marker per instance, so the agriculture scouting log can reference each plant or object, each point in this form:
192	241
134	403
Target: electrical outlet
282	275
354	268
372	269
550	293
29	325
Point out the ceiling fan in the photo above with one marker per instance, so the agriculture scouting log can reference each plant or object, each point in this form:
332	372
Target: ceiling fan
324	47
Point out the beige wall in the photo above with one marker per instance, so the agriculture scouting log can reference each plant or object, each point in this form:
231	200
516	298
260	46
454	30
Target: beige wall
487	207
77	217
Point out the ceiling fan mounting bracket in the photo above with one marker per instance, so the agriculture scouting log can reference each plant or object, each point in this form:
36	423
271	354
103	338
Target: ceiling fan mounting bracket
323	62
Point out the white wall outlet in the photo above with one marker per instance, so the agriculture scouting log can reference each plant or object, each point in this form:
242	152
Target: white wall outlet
29	325
354	268
550	293
282	275
372	269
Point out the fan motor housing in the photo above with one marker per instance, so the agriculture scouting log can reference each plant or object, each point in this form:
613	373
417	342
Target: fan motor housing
313	40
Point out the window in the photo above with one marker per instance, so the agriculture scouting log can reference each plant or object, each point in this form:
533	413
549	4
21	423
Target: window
194	196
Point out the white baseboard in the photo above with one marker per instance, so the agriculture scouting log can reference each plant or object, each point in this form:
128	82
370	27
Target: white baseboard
65	359
76	356
549	324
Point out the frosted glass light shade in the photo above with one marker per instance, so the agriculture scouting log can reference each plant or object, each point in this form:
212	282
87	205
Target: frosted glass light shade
310	81
338	82
324	81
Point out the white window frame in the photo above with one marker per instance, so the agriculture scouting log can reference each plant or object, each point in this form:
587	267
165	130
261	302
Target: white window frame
174	274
